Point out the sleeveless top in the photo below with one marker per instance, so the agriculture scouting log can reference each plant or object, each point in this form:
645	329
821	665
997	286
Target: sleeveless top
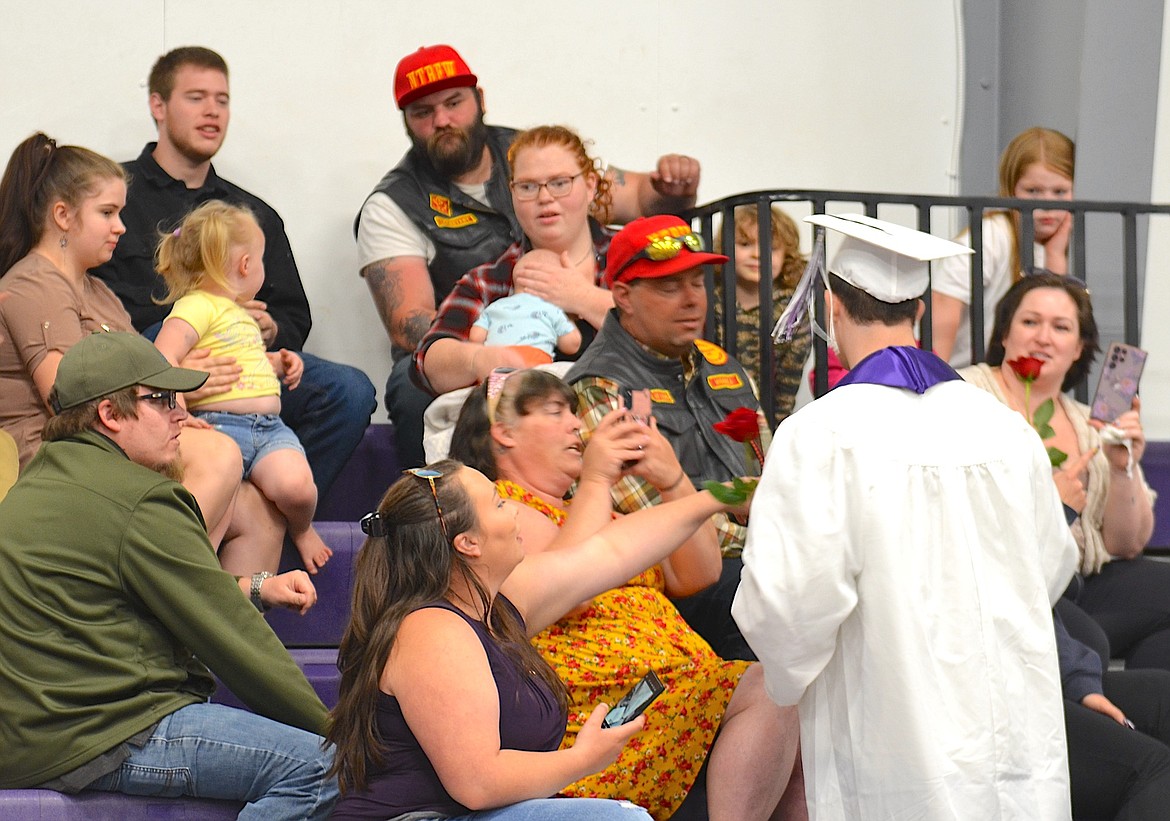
530	720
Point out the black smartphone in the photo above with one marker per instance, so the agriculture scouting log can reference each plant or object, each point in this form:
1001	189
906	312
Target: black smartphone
634	703
1119	382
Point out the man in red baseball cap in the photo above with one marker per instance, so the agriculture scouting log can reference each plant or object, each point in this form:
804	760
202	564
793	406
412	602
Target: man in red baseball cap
446	208
652	341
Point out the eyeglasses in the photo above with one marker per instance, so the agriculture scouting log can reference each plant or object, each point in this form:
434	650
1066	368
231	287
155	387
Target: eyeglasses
431	475
557	187
160	398
664	248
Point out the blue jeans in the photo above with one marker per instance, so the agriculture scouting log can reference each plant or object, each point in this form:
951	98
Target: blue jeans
329	410
213	751
256	434
406	402
561	809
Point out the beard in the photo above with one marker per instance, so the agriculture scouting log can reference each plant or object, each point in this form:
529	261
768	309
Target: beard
172	469
455	151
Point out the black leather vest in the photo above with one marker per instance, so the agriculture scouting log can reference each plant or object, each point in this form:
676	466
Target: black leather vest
685	410
466	233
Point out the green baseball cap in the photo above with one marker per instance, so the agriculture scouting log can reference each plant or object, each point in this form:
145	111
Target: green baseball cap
106	362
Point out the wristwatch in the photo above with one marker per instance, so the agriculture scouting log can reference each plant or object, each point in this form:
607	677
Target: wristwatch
257	580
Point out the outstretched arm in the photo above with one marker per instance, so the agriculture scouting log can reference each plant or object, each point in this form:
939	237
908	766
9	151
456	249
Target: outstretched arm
548	585
669	189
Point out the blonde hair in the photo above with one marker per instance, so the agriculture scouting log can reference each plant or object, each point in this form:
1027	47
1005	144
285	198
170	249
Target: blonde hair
785	235
566	138
1051	149
200	249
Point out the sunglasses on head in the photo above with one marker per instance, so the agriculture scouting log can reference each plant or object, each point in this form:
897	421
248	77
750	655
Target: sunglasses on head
664	248
372	524
430	475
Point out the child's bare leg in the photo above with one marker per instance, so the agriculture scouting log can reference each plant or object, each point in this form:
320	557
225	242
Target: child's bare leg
211	471
284	477
255	537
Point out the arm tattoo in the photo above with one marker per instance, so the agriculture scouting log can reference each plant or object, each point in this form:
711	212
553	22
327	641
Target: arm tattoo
415	326
619	176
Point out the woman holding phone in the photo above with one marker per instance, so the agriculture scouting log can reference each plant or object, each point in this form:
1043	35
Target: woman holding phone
446	710
714	745
1049	317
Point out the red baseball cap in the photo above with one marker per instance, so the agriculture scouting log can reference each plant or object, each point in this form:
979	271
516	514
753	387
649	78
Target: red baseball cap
657	246
430	69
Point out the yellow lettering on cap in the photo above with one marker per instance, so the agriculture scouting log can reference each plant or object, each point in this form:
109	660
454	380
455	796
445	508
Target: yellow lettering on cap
448	68
711	352
672	231
441	204
724	381
661	396
461	221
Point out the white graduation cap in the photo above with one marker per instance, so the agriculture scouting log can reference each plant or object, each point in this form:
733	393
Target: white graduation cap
888	261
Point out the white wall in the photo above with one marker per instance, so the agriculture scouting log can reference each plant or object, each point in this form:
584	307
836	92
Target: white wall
837	94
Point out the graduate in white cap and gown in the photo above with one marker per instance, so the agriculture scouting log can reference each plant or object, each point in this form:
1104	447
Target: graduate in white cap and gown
905	547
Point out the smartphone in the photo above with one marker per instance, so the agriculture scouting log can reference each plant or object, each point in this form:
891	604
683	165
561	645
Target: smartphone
639	404
1119	382
634	702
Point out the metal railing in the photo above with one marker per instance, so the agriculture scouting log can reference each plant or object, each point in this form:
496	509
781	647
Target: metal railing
1120	279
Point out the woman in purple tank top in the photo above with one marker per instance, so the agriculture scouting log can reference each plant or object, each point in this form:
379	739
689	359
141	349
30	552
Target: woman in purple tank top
446	711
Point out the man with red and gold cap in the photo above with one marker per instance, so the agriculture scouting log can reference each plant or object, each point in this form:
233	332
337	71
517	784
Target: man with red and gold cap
446	208
651	341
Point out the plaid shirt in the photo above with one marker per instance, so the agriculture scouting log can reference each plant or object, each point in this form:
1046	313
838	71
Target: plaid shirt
480	287
597	396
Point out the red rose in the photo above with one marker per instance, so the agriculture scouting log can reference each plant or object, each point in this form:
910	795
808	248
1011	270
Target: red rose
742	425
1026	367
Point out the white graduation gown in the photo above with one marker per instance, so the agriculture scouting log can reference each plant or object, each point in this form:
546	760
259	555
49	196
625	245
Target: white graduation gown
902	558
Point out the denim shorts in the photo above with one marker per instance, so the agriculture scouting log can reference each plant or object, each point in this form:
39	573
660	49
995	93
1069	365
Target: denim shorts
257	434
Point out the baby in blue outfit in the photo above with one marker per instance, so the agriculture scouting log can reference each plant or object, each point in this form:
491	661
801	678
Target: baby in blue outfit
526	319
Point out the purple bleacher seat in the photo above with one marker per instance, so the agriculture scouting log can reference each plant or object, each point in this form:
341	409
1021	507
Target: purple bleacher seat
313	638
371	469
46	805
325	623
1156	466
319	666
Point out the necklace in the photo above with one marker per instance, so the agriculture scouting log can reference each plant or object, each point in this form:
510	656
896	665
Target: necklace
588	253
513	491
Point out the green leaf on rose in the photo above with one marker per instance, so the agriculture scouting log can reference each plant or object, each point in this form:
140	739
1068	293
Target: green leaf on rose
1043	416
737	494
1056	456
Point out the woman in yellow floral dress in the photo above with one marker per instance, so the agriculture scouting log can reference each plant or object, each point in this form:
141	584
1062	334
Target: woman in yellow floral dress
519	428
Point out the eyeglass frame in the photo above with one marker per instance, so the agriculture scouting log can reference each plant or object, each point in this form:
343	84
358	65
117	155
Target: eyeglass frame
430	475
680	242
547	185
157	397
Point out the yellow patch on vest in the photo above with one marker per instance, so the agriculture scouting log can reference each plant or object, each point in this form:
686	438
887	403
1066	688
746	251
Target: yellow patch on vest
461	221
724	381
711	352
661	396
441	204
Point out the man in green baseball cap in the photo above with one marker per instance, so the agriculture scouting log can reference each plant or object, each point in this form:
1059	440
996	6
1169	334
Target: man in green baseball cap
114	607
